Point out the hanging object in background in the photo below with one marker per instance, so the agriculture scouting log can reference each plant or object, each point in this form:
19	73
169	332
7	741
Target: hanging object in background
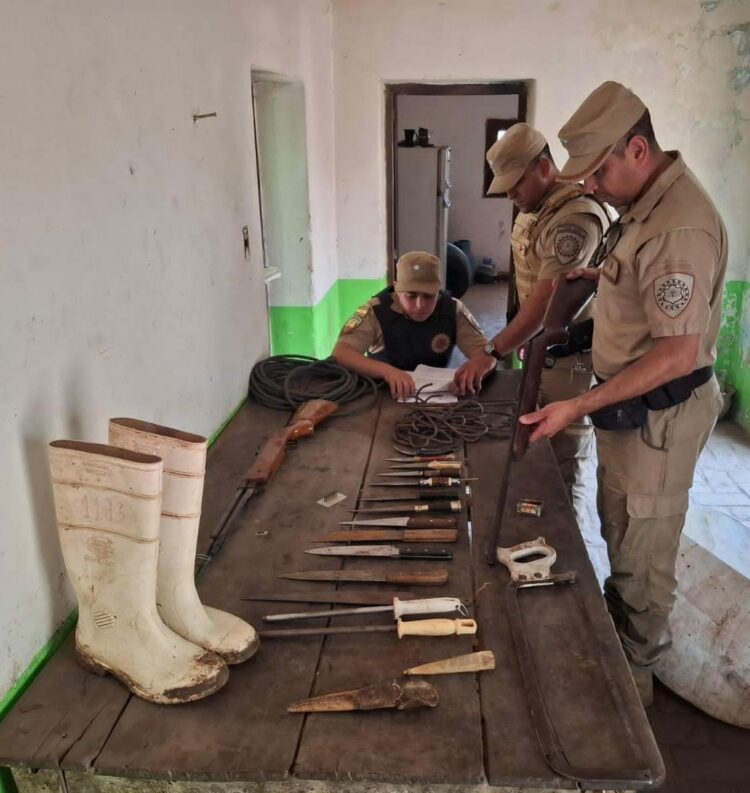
283	382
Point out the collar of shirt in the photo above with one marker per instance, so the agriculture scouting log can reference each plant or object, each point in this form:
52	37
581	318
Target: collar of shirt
643	207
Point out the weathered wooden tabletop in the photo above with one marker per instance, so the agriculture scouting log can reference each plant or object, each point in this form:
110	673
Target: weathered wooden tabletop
74	732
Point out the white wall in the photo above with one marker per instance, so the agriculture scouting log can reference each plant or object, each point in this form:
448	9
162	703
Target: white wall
459	122
124	286
688	60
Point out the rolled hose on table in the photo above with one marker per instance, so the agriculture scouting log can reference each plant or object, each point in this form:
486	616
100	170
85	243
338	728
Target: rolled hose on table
284	382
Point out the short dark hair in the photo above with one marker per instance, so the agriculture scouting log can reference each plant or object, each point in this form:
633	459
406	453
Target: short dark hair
642	127
546	153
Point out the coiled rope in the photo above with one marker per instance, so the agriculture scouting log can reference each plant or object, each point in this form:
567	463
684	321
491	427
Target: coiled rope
284	382
439	429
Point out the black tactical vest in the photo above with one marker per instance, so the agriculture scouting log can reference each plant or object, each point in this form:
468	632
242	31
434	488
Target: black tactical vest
409	343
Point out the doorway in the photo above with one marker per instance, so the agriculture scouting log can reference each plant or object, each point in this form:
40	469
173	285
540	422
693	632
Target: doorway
462	118
281	158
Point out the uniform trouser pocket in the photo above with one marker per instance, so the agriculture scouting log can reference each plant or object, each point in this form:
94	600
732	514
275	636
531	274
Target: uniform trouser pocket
644	476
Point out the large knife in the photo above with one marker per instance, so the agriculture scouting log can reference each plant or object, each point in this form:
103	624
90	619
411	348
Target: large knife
393	535
433	481
413	578
451	493
447	467
430	506
406	522
416	458
389	551
424	472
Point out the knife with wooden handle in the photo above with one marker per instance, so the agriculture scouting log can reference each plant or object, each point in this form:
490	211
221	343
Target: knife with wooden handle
414	578
392	535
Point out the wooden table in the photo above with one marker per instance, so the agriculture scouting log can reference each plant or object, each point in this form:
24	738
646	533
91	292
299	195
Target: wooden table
72	732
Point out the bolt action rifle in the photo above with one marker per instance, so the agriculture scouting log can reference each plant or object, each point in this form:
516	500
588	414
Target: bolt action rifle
559	329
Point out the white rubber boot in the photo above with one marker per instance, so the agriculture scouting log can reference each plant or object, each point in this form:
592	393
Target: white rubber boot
108	506
184	457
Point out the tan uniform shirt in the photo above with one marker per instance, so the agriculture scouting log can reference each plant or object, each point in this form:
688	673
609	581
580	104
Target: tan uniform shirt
665	276
363	332
560	240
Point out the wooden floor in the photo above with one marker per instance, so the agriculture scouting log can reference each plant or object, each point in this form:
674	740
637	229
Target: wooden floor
87	733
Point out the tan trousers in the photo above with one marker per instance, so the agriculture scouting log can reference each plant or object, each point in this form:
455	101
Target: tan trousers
572	447
644	476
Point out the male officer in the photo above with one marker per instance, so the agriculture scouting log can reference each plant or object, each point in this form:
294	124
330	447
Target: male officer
557	231
657	320
415	322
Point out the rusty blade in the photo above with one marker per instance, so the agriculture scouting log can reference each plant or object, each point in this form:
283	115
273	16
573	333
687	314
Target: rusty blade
390	694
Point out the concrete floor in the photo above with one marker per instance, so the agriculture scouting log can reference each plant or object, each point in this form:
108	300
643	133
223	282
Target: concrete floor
701	754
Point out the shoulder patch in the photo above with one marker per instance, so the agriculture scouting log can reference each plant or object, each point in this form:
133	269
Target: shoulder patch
461	309
673	292
352	324
569	242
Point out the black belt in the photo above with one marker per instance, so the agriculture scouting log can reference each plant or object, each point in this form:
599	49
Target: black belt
631	413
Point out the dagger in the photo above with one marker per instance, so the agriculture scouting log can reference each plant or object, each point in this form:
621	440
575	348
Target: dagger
415	458
406	522
448	466
433	627
394	535
389	551
431	506
398	608
433	481
423	495
414	578
386	694
422	472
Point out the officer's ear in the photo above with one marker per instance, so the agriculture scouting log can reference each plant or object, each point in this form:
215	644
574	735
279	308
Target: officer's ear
544	166
637	150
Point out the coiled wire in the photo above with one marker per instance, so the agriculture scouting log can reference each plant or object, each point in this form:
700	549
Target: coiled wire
284	382
439	429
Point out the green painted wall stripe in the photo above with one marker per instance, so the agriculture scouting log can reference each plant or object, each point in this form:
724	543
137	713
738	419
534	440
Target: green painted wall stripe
733	361
7	785
313	330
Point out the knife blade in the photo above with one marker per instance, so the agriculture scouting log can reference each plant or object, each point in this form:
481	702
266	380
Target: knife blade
431	506
389	551
406	522
430	627
450	493
420	472
447	466
433	481
413	578
416	458
394	535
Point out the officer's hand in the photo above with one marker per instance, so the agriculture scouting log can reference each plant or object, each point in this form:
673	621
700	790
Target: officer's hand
468	378
589	273
401	383
550	419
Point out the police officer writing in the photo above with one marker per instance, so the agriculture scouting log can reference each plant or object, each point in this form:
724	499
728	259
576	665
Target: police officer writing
657	321
557	231
415	322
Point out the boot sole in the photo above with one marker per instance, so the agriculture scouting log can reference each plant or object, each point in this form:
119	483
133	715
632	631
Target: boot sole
174	696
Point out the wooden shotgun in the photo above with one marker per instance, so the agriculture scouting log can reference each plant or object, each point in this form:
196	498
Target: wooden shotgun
302	424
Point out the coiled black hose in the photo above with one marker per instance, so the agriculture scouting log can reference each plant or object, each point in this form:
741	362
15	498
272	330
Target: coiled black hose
283	382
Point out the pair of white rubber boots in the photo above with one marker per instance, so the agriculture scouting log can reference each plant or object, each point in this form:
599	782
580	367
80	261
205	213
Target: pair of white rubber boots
128	517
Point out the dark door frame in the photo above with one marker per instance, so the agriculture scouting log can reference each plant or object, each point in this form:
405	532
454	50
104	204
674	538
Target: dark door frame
392	91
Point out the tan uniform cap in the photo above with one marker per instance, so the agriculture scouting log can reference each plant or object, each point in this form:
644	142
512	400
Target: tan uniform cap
595	128
418	271
510	156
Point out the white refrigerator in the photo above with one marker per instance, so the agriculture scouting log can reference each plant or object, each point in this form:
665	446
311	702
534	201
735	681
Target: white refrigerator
422	199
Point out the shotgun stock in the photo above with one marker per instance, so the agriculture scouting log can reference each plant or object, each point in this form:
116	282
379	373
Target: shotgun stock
568	299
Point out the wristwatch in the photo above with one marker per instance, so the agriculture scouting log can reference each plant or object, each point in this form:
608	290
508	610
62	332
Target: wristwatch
489	349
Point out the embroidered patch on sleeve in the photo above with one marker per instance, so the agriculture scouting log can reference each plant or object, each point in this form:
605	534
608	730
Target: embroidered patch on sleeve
352	323
672	292
569	242
468	315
